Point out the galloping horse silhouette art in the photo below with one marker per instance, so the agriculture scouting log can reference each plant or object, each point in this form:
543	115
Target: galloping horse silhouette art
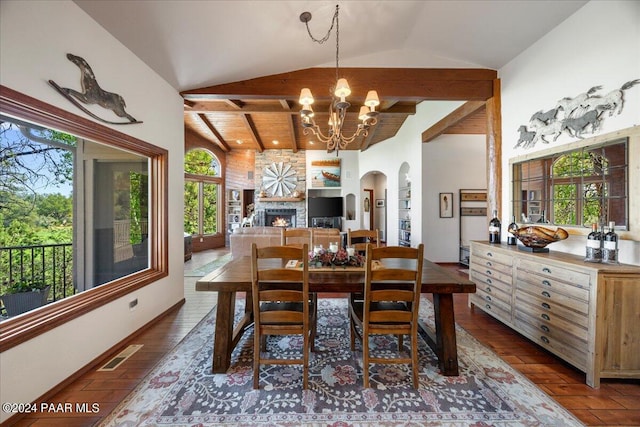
92	93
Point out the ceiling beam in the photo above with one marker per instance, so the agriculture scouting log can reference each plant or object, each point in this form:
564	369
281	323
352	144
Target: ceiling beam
292	135
409	83
319	107
453	118
217	136
366	141
254	132
234	103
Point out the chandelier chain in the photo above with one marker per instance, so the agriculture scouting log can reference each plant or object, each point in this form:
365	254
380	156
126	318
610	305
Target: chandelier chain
334	22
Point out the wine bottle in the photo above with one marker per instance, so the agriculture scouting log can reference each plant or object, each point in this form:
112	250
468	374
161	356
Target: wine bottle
594	245
511	239
610	245
494	228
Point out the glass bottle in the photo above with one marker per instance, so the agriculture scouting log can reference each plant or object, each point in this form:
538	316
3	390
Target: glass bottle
594	245
610	245
511	238
494	228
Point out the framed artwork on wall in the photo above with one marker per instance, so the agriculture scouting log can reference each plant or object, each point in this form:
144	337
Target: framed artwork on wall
446	205
325	173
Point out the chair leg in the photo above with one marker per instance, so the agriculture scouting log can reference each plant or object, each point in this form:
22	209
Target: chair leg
365	359
353	334
305	360
314	320
414	357
400	346
256	359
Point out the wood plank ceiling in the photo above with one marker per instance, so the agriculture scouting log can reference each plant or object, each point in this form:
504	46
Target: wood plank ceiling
263	113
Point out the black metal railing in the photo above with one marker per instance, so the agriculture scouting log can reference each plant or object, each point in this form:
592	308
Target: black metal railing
51	264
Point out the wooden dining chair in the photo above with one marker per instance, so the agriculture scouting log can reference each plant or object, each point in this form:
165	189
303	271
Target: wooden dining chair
280	303
358	239
390	306
298	237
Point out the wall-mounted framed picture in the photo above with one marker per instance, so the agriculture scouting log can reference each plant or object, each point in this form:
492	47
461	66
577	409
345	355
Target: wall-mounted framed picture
379	203
325	173
446	205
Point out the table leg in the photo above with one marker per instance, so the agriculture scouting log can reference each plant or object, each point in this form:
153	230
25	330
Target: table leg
222	341
446	345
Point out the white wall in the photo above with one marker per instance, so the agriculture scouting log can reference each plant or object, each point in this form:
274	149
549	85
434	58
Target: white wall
450	163
35	37
387	157
598	45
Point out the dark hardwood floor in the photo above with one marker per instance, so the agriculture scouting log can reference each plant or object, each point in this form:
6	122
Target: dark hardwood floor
615	403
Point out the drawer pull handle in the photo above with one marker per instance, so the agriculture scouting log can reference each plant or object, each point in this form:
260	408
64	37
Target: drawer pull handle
489	264
544	339
488	298
545	305
546	283
546	270
487	306
545	328
546	294
489	254
545	316
489	272
488	289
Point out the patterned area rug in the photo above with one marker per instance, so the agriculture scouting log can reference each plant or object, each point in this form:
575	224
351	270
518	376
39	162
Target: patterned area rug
181	391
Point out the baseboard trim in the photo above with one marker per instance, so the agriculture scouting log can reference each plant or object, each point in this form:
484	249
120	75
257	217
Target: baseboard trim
95	363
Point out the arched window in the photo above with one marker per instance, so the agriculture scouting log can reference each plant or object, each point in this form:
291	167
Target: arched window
202	186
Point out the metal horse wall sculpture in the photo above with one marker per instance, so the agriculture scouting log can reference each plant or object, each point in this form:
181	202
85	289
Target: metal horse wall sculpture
92	93
579	114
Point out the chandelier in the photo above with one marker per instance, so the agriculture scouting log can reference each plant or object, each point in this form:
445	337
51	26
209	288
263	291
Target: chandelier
334	137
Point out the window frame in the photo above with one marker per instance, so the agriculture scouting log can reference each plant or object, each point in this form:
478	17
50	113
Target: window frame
631	230
22	328
201	180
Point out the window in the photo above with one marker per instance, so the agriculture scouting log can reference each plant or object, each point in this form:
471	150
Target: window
119	234
201	193
574	188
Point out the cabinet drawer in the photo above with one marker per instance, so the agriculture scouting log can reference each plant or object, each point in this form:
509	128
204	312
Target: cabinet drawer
547	283
489	307
490	264
491	273
577	357
484	281
542	306
491	255
555	326
554	272
551	296
495	297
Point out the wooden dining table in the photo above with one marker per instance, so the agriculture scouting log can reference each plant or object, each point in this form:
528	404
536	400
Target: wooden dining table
235	276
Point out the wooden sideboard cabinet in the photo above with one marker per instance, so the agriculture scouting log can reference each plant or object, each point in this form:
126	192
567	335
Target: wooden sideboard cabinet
587	314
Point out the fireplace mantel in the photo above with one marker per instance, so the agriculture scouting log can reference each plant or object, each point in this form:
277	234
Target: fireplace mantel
280	199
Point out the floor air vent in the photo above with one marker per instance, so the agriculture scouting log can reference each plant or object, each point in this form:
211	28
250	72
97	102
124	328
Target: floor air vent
113	364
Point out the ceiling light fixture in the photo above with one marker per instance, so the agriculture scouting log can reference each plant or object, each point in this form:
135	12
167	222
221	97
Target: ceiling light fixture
334	138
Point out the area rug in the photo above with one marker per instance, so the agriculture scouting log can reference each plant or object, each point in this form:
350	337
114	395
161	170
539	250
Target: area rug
181	391
205	269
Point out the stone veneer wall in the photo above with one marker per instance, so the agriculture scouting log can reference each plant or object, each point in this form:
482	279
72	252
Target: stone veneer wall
298	162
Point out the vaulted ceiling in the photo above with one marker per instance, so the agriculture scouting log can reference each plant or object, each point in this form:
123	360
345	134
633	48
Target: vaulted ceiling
240	65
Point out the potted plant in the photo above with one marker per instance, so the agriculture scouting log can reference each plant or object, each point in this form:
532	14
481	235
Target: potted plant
24	295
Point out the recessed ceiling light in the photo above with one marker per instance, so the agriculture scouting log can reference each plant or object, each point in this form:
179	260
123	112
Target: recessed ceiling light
238	141
276	142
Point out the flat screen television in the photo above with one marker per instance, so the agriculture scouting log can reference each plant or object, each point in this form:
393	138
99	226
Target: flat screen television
325	207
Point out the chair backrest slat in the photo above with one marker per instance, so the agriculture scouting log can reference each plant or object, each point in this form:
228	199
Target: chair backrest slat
359	239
